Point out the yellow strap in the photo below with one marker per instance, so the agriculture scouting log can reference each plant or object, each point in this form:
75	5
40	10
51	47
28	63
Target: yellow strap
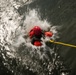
61	43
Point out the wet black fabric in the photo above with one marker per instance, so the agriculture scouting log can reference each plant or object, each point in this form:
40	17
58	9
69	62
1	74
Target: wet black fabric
35	39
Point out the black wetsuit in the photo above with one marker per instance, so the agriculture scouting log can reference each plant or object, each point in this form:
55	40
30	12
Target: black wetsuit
36	38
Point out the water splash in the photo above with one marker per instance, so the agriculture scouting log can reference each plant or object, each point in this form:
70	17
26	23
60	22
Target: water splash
20	3
32	56
37	59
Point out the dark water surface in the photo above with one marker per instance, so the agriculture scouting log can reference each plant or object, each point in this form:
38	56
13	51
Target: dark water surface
60	13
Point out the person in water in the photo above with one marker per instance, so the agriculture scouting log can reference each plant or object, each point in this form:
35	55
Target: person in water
36	33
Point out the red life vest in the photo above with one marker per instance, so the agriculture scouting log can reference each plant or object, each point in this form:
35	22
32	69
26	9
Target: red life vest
37	43
48	34
31	33
37	32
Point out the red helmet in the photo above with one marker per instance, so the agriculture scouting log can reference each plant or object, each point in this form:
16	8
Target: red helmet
37	30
